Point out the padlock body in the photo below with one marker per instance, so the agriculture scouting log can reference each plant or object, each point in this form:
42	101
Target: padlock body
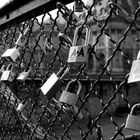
23	76
7	76
20	107
51	86
134	72
133	122
78	54
12	53
69	98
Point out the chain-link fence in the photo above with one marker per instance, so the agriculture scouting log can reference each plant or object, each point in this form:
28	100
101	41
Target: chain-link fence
65	75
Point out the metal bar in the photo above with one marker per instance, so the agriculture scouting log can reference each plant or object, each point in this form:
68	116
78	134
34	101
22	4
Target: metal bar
20	11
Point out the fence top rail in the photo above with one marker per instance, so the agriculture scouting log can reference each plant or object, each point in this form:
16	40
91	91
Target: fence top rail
19	11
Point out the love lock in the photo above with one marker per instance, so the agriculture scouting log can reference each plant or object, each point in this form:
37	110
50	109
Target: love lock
67	13
54	82
134	75
133	119
68	96
24	75
8	74
79	54
78	6
13	53
21	106
71	98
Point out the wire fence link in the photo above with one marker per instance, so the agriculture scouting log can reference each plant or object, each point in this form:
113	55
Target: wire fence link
66	76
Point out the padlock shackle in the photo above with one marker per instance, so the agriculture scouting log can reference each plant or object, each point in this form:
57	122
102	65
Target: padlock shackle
79	86
9	67
66	70
133	108
60	6
87	38
64	37
28	69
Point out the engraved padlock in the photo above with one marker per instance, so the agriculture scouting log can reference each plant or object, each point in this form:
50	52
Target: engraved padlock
134	75
21	106
67	13
70	97
8	74
14	53
133	119
24	75
78	6
79	54
54	83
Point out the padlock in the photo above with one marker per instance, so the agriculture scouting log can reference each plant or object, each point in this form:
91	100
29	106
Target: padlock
78	6
67	13
8	74
54	82
133	119
65	41
24	75
134	75
79	54
21	106
69	97
14	53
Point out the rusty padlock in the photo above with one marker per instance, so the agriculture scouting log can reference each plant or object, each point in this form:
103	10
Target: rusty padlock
8	74
134	75
70	97
54	83
67	13
78	6
79	54
14	53
133	119
21	106
24	75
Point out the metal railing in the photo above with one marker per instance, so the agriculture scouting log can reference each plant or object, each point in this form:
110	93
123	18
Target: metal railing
35	53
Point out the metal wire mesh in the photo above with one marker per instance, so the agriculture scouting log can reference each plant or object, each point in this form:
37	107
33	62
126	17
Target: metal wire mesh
44	47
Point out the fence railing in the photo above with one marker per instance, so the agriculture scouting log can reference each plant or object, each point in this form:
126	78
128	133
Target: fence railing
65	76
